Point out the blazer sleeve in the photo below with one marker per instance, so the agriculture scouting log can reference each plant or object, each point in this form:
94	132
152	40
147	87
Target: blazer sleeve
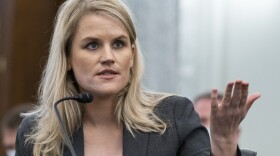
194	138
24	148
245	152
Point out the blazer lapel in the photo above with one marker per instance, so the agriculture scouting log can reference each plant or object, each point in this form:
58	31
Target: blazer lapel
77	142
136	146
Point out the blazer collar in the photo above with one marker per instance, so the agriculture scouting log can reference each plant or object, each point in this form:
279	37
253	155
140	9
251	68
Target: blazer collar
77	142
136	146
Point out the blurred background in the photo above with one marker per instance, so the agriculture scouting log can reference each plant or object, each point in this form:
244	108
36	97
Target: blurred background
189	46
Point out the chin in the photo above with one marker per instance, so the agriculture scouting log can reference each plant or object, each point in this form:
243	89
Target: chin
107	92
105	89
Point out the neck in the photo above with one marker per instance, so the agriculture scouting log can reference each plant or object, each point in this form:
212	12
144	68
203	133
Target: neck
100	112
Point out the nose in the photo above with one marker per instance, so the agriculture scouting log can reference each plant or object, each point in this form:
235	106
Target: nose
107	57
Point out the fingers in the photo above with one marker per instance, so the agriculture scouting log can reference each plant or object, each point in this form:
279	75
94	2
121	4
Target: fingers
214	100
239	97
243	101
237	92
235	98
227	95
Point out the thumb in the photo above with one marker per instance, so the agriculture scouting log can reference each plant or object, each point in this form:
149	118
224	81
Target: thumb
251	99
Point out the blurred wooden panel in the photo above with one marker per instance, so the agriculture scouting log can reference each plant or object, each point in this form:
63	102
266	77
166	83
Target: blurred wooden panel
6	18
25	30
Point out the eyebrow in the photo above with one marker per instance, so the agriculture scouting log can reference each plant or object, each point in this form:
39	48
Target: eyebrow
122	37
88	38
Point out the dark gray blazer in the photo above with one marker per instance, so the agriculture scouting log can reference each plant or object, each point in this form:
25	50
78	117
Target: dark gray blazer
185	135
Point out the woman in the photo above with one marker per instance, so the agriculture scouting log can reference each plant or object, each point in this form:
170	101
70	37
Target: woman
94	49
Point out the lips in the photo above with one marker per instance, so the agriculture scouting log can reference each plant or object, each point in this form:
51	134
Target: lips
107	72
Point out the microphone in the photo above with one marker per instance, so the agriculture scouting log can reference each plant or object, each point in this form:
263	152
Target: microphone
82	98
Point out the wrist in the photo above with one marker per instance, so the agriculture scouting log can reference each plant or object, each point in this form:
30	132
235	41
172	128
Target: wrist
222	146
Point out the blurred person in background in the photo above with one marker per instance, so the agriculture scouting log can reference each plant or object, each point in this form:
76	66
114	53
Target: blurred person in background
202	105
9	127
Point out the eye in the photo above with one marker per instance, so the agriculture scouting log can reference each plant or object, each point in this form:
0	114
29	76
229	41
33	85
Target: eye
118	44
92	45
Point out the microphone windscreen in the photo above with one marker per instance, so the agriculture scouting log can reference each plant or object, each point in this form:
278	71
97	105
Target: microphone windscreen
84	98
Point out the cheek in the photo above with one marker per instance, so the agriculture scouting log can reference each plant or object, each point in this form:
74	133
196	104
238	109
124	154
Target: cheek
127	65
131	61
80	74
82	69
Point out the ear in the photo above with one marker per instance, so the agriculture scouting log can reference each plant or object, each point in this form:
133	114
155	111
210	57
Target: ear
69	66
133	50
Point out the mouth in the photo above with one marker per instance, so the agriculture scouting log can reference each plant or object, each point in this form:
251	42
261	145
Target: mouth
107	72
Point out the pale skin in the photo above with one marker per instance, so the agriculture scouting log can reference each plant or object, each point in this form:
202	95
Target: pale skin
227	116
101	57
203	108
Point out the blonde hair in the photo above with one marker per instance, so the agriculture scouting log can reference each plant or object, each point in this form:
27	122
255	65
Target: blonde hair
135	107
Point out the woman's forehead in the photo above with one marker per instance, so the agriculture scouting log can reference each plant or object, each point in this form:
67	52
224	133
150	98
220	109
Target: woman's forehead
96	24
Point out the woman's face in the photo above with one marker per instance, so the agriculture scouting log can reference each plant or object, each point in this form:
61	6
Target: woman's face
101	55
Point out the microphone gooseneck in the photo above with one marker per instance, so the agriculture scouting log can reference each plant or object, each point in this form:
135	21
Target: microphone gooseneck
82	98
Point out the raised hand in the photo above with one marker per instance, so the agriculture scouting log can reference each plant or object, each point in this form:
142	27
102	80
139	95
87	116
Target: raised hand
227	116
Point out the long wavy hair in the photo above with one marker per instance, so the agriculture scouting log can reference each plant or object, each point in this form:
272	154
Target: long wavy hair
135	107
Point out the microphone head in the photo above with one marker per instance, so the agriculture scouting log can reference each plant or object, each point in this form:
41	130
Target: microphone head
84	98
